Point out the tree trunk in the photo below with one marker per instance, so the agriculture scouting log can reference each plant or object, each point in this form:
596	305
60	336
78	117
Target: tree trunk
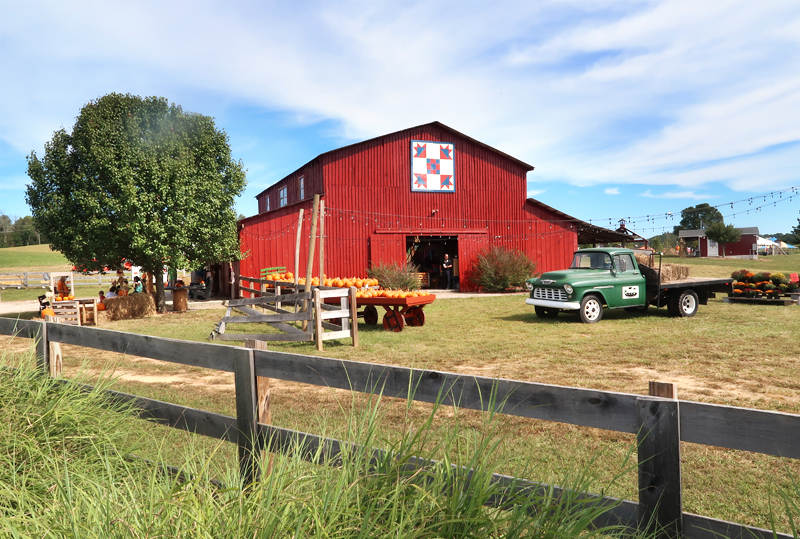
161	304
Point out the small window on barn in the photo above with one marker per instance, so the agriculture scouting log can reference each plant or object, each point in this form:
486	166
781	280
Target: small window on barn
283	198
267	206
302	184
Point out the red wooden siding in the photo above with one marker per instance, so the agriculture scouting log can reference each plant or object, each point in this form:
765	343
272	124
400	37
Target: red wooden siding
370	209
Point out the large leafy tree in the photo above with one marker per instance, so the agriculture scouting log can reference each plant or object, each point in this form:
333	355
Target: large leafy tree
697	217
138	179
793	237
723	234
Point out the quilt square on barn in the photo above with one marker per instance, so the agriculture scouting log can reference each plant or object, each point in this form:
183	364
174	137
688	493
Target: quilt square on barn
432	166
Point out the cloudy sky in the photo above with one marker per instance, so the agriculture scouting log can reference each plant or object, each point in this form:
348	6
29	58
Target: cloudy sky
626	109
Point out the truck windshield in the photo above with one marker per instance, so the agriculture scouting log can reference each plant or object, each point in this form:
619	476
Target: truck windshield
591	261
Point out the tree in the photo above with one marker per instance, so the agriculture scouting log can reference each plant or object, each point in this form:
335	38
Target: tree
138	179
723	234
7	227
793	237
698	217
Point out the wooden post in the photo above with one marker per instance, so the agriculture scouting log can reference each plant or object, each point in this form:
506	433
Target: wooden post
668	390
660	504
54	356
264	404
42	348
310	265
297	248
318	318
321	241
353	316
246	414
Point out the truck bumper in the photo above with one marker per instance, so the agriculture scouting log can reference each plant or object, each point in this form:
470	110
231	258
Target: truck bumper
566	305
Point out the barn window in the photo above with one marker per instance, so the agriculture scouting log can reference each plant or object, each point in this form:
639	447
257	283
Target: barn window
266	203
282	196
302	184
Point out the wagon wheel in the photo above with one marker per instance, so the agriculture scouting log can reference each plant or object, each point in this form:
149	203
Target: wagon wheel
393	321
415	317
370	315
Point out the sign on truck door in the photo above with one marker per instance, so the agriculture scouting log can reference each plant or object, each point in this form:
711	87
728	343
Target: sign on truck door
629	289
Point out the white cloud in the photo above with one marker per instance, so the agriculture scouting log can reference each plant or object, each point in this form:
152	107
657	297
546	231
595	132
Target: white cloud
533	192
612	191
679	194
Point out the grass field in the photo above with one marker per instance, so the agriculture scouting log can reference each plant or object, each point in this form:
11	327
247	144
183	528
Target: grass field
32	258
733	354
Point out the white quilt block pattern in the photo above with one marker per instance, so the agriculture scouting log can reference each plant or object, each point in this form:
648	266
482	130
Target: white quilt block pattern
432	166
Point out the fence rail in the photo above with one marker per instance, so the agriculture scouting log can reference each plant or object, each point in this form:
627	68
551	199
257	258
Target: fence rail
659	423
41	279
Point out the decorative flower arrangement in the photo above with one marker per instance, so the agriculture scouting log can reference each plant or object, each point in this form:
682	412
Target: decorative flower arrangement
762	284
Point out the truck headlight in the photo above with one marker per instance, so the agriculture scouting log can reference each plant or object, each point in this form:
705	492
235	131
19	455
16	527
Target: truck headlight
568	288
529	285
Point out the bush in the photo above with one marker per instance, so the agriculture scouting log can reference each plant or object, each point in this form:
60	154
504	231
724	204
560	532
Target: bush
394	276
761	276
778	278
499	269
740	275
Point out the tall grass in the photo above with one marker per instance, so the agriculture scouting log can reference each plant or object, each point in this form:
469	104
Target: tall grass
67	470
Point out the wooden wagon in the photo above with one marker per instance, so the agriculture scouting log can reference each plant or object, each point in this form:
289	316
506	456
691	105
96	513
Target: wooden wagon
399	311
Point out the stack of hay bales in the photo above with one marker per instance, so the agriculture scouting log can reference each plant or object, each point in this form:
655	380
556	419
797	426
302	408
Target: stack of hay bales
669	272
130	306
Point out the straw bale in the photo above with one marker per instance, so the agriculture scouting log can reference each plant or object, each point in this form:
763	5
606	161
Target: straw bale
643	260
130	306
674	272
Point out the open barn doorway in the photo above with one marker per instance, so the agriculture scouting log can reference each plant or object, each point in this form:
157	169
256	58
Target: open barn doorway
427	253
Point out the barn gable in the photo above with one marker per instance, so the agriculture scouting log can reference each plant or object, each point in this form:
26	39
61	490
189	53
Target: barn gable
375	210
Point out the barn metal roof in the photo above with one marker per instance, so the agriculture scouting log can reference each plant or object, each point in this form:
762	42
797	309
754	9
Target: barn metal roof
587	232
431	124
700	233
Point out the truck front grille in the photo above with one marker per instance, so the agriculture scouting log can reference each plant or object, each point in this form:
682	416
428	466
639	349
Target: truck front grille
554	294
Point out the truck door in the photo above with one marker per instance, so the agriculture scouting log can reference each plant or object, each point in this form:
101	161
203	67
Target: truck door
629	284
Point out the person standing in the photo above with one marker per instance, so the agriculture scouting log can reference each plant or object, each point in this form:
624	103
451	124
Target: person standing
447	270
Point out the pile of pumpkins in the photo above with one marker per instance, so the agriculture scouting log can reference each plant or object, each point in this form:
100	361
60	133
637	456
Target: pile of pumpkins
390	294
368	287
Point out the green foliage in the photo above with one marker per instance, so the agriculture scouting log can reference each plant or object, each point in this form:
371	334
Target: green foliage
740	275
697	217
778	278
761	276
723	234
395	276
498	269
19	232
137	179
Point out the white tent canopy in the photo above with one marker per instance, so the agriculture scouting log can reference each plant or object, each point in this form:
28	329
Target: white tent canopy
762	242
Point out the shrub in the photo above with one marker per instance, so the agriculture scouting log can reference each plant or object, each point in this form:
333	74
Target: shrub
778	278
740	275
499	269
395	276
761	276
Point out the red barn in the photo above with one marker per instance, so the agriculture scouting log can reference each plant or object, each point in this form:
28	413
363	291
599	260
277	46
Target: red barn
418	193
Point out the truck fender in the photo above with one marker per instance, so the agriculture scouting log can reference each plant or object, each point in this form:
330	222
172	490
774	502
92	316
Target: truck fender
594	292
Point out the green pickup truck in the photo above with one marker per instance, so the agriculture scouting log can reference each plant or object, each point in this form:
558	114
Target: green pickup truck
611	278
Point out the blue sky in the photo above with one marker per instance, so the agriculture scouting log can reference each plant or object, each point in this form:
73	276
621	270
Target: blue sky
626	109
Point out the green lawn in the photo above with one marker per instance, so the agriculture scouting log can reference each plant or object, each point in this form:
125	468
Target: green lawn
733	354
32	258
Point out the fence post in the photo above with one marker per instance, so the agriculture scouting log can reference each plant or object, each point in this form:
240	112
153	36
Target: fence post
244	374
264	402
317	310
42	349
27	284
660	505
353	316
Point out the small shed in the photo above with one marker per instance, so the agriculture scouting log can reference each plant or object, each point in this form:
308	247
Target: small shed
746	247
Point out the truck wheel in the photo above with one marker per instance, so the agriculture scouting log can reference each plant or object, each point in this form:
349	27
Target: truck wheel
684	304
544	312
591	310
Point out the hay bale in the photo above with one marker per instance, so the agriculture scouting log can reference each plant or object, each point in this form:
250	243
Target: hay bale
674	272
644	260
130	306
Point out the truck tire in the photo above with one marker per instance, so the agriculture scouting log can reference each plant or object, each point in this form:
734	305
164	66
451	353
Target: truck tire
683	305
591	310
544	312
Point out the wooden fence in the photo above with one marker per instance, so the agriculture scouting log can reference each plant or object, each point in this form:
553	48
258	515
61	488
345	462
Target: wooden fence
36	279
659	423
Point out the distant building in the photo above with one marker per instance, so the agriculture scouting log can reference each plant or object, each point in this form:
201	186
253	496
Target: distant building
746	247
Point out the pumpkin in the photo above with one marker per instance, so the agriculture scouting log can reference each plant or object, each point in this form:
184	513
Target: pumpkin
58	298
47	311
70	297
101	306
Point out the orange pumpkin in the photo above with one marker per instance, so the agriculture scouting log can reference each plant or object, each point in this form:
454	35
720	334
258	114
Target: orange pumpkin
58	298
70	297
45	312
101	306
